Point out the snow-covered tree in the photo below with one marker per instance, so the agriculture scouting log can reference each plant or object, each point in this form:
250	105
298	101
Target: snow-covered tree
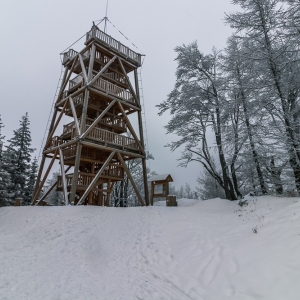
208	187
30	184
5	182
18	157
276	63
196	105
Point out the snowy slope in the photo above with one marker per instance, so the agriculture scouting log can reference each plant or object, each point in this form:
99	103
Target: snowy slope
199	250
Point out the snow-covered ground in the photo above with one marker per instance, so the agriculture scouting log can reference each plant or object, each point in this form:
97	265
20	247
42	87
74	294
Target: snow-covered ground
199	250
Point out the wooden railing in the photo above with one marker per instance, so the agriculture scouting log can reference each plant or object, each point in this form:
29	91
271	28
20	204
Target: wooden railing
55	141
85	179
114	90
116	76
76	80
69	55
112	138
71	128
113	43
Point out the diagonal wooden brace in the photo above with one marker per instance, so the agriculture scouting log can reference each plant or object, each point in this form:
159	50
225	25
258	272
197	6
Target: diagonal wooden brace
94	181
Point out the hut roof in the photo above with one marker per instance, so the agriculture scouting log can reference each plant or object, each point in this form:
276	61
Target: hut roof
162	177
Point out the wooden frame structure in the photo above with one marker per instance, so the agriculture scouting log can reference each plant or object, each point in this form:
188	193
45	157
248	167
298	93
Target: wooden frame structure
160	186
97	95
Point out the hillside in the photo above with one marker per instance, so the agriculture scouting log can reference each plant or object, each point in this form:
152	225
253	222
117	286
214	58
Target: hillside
199	250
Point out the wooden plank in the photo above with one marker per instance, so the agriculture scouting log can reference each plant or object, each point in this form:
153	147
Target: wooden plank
102	71
94	181
63	175
98	119
60	146
74	114
83	68
131	179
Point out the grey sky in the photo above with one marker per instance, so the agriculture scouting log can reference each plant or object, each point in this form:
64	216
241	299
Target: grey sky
34	32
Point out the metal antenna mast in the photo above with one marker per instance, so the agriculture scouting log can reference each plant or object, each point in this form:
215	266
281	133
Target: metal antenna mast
105	18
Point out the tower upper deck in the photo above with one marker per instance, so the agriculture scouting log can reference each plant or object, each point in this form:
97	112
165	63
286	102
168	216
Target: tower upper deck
109	43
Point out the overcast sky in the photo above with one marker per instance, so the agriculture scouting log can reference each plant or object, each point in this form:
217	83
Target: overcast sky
34	32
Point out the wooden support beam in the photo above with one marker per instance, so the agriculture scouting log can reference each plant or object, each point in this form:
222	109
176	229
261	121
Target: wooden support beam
130	128
94	181
63	175
74	114
44	178
98	119
51	188
75	173
102	70
131	179
91	64
55	126
37	182
60	146
128	81
83	68
142	139
67	79
72	95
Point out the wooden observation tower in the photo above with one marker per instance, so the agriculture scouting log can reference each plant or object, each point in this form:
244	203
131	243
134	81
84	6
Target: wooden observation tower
96	96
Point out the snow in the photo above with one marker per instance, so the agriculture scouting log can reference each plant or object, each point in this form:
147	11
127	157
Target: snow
199	250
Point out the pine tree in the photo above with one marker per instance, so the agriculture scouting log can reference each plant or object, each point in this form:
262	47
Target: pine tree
18	156
31	182
4	175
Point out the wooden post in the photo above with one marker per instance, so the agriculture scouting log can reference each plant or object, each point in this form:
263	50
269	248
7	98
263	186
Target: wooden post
142	140
45	177
51	188
131	129
63	175
83	68
75	173
74	114
131	179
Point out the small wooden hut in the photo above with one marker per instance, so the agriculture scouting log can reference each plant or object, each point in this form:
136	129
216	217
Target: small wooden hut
160	186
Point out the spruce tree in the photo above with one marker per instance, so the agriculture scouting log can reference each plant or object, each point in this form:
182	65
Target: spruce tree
18	156
4	175
31	182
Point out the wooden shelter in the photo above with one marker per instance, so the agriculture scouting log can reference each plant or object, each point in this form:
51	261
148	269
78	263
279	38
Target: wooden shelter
96	95
160	186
